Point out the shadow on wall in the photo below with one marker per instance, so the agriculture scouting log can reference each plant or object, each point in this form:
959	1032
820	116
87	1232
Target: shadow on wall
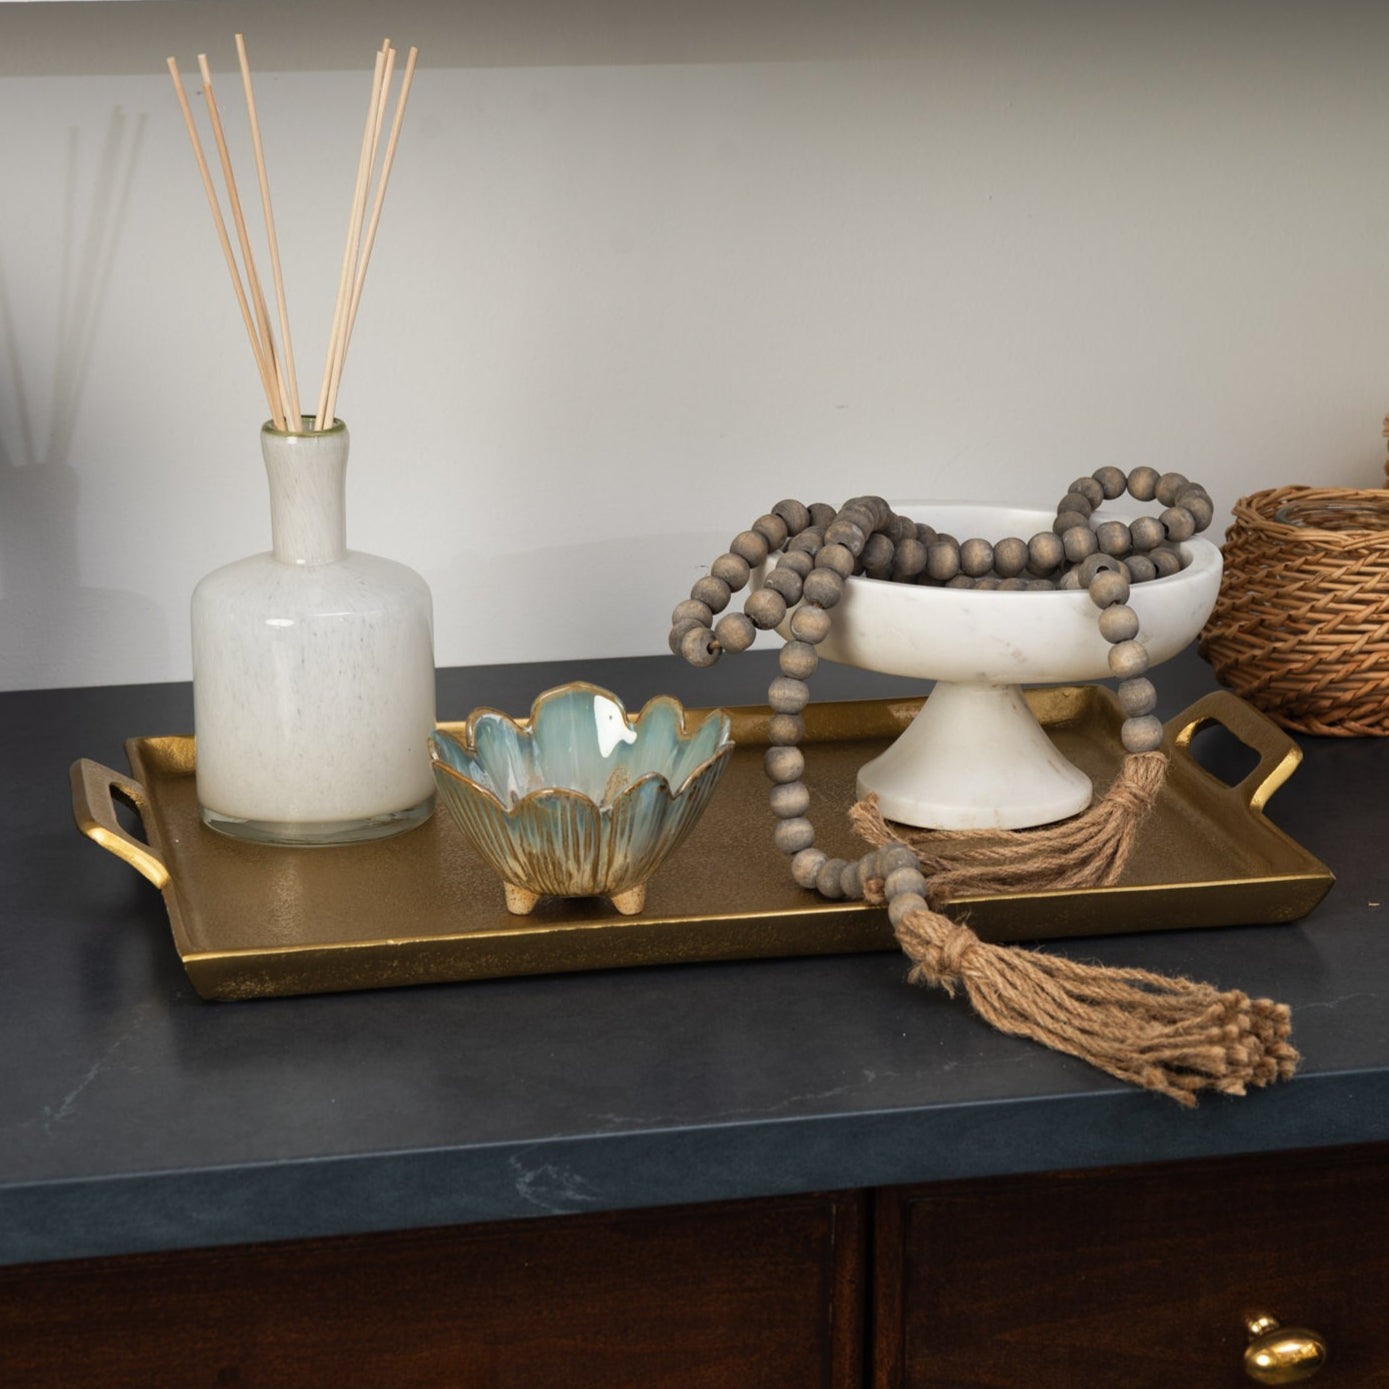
53	631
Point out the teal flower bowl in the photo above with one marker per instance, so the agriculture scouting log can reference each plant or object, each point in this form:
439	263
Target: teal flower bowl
580	799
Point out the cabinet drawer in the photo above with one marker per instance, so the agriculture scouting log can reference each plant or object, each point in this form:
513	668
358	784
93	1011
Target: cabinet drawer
748	1294
1133	1277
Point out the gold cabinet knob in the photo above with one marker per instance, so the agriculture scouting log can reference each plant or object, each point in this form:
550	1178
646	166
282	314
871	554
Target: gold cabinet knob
1282	1354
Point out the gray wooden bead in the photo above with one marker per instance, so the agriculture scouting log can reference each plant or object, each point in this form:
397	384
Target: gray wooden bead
926	534
677	633
838	558
1088	488
829	881
1045	553
807	542
1113	538
1014	585
894	856
795	514
806	865
711	591
898	907
698	647
976	557
772	529
1168	485
1070	581
733	569
900	528
846	533
783	764
910	559
690	609
1095	564
1179	523
785	582
821	514
785	730
787	696
878	508
791	836
1119	623
1196	500
943	559
789	799
1068	520
798	659
1127	659
1076	501
810	624
1142	734
1137	696
1108	588
1141	569
1079	543
735	632
986	583
1143	483
766	608
750	546
797	561
961	581
1010	557
850	883
859	516
1040	585
1166	561
905	880
1112	479
823	587
878	552
1147	533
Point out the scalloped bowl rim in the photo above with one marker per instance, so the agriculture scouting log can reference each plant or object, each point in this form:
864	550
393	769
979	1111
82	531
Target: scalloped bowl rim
522	727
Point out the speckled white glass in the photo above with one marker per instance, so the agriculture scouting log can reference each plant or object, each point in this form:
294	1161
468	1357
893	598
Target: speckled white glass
313	670
975	757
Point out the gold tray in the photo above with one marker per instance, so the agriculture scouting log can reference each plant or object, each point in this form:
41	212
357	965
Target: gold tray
253	921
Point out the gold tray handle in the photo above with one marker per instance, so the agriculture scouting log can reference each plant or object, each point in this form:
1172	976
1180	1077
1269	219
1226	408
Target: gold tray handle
94	809
1279	756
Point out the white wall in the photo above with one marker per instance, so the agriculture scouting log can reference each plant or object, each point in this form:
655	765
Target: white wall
645	269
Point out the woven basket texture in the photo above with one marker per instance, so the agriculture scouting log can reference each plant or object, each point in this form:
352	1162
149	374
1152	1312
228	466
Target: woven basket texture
1301	626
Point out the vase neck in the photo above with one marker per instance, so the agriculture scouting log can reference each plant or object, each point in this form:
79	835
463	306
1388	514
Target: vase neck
308	494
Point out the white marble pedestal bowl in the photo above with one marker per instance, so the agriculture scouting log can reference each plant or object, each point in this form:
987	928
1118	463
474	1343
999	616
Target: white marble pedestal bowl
976	757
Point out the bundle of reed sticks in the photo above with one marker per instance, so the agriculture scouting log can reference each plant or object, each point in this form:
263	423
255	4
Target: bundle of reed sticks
275	360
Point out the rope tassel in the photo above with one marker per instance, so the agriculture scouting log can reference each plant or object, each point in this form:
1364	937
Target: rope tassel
1171	1035
1168	1034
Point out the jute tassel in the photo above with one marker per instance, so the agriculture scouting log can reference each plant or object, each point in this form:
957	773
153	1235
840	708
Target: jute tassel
1172	1035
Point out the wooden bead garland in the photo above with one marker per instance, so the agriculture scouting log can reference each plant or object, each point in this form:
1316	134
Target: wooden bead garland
1171	1035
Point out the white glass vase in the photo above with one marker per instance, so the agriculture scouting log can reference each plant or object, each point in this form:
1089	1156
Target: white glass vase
313	670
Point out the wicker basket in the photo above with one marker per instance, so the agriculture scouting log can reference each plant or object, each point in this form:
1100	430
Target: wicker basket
1301	626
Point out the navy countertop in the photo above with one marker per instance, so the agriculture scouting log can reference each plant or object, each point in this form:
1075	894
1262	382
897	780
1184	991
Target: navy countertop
134	1116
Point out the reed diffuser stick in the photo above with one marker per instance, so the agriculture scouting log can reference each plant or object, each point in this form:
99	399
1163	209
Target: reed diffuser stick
349	254
277	413
266	380
379	202
359	217
291	381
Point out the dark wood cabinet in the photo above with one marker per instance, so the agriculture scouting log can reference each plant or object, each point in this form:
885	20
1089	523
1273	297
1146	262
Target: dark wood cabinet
1141	1277
766	1293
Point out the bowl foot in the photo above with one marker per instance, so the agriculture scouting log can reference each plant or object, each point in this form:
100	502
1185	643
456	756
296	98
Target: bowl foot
975	757
629	903
520	901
